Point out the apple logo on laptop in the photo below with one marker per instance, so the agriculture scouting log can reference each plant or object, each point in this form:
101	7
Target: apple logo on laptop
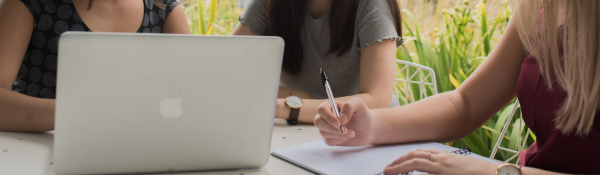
170	107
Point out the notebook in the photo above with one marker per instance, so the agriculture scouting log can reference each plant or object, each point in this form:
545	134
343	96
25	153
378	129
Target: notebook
365	160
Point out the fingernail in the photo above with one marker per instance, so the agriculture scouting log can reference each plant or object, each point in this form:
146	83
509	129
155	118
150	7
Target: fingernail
351	134
336	124
344	118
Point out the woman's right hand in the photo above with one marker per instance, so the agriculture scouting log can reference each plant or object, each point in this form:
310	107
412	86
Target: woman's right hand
356	118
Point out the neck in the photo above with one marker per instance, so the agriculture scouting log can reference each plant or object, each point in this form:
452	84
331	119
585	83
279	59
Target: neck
318	8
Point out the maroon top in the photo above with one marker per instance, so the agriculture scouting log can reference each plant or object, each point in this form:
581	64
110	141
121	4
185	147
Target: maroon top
553	151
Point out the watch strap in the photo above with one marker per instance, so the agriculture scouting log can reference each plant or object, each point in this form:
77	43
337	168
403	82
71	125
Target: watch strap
293	119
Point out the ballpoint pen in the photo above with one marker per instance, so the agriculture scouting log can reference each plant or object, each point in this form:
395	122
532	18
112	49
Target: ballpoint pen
334	107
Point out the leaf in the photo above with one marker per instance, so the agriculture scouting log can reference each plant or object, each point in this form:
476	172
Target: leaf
201	20
477	145
484	29
454	82
514	135
501	121
494	131
212	11
532	135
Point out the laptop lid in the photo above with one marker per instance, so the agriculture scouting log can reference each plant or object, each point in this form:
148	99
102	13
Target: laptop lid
134	103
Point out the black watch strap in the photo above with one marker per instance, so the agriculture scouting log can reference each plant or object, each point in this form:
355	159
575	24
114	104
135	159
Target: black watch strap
293	119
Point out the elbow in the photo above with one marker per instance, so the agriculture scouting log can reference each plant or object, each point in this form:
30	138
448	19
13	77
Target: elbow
378	101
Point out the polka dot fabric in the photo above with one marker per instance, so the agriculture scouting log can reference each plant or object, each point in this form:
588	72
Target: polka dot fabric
37	75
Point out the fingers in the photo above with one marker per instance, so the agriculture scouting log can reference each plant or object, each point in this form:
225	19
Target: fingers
412	155
433	151
349	108
417	164
324	112
335	142
323	125
331	135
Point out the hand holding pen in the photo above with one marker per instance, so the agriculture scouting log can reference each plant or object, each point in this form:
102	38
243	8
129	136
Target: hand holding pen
353	118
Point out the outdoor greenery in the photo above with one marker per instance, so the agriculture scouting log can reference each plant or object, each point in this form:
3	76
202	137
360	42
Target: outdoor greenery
464	37
453	38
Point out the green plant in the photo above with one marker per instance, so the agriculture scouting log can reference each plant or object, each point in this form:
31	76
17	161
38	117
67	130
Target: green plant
454	51
211	17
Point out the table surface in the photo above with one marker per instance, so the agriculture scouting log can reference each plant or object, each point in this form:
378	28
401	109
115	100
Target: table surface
31	154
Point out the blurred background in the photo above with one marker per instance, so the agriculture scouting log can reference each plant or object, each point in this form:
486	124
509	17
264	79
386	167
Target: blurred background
452	37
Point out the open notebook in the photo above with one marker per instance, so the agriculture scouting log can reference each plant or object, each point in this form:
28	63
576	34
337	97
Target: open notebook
361	160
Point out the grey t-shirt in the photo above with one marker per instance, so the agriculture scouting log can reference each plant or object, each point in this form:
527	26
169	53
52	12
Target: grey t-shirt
374	22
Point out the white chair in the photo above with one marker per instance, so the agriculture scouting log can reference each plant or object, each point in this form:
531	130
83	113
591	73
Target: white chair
501	137
405	77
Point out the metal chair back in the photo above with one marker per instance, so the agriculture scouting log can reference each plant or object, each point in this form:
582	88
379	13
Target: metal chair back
412	78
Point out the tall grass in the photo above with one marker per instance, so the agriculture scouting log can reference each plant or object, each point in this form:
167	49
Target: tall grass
453	41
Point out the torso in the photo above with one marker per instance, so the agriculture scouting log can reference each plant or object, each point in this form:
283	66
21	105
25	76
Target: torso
125	16
37	74
374	23
553	150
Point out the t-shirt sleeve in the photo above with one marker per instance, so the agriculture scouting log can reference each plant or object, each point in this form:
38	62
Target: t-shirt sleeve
35	8
169	6
255	16
375	23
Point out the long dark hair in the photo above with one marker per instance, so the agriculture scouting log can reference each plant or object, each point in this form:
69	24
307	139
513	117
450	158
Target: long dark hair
286	17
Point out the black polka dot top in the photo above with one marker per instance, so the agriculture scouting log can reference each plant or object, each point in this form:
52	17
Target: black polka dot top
37	75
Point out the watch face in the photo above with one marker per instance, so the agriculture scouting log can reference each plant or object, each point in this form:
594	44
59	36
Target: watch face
508	170
294	101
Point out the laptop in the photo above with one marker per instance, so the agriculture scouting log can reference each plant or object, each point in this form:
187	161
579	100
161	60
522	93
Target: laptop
145	103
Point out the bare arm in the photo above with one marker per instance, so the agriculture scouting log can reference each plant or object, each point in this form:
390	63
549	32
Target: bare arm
241	29
176	22
377	67
455	114
445	117
19	112
376	80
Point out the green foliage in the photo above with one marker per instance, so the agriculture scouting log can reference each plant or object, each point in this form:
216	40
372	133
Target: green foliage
463	41
460	41
211	17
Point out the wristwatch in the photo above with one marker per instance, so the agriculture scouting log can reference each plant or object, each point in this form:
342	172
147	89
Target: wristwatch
508	169
295	103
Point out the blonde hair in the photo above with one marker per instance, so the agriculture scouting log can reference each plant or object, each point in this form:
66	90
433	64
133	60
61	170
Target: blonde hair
577	68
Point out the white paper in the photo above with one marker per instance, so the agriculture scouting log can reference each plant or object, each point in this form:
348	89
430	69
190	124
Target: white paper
360	160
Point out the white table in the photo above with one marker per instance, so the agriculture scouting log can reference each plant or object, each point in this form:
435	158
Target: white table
31	154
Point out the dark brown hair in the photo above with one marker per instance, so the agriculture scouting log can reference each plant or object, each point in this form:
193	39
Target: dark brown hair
286	17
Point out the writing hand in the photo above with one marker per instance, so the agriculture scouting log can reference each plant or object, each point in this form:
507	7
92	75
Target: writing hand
356	118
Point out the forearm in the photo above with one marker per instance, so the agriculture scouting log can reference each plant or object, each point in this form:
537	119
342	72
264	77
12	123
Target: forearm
309	109
19	112
438	118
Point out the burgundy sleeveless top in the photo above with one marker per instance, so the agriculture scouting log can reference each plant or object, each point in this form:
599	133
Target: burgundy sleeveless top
553	151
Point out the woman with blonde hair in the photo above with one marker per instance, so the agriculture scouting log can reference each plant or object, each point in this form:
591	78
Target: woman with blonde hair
549	57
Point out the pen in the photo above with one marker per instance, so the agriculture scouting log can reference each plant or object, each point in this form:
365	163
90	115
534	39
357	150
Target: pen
330	96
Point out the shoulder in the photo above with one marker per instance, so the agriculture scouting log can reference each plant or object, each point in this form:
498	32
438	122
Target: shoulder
39	7
257	5
368	6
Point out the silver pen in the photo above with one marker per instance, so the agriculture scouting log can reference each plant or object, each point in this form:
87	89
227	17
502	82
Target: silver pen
330	96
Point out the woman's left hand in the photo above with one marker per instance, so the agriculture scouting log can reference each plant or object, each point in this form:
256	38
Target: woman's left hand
439	162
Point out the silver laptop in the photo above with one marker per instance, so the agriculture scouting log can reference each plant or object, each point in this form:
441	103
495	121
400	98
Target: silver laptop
140	103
